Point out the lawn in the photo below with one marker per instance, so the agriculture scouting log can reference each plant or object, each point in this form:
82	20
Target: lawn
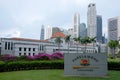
52	75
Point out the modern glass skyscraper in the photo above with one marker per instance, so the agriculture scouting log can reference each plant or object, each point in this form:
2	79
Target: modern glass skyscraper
113	28
99	29
83	30
76	24
91	20
42	33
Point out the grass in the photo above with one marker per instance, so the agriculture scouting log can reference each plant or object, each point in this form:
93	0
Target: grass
52	75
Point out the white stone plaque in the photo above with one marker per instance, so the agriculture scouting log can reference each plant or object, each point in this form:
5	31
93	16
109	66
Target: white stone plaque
91	65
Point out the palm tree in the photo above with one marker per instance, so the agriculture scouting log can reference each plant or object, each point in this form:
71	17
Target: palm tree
77	40
85	41
67	40
58	41
113	44
93	39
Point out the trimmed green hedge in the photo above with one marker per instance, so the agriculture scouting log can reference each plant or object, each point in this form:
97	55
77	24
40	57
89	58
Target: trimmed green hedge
31	65
2	66
34	65
114	64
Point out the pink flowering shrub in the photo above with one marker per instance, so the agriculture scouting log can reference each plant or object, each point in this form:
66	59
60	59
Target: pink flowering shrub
57	55
42	56
39	56
8	57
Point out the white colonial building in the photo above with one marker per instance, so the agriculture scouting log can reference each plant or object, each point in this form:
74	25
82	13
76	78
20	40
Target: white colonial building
31	47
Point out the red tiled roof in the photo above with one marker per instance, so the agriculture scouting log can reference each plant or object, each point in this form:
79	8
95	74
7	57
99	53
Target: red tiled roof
58	34
26	39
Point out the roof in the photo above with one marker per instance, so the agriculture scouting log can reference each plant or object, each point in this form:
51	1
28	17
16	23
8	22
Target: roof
58	34
26	39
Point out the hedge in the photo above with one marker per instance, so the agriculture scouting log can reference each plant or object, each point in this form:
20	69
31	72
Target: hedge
2	66
34	65
31	65
114	64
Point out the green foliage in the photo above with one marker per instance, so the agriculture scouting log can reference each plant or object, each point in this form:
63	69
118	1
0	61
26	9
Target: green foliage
114	64
58	41
22	57
113	44
67	38
2	65
31	65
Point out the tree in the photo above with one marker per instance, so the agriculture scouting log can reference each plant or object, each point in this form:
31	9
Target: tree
77	40
67	40
113	44
93	39
85	41
58	41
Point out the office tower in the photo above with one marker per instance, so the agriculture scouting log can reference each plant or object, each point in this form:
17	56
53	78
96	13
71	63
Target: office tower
55	29
76	24
83	30
48	32
42	33
113	28
91	20
99	29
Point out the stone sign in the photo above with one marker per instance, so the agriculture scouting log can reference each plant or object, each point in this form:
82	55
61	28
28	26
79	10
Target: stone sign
89	64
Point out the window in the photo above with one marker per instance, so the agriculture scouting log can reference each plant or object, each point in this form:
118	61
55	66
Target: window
29	54
20	49
11	46
29	49
24	49
25	54
5	45
19	54
33	49
33	54
8	45
40	47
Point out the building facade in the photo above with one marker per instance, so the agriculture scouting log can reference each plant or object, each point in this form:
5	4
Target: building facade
83	30
48	32
113	28
76	25
91	20
42	33
99	29
31	47
55	29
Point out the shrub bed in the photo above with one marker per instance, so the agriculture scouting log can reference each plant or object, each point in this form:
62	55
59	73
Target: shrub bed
2	66
31	65
114	64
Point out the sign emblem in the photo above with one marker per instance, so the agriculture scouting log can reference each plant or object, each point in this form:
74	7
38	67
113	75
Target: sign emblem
85	62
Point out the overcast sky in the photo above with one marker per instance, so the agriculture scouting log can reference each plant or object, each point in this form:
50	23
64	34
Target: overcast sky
23	18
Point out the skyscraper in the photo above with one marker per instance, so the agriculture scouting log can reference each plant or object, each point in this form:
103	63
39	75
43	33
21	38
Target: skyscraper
91	20
83	30
55	29
76	24
42	33
113	28
48	32
99	29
